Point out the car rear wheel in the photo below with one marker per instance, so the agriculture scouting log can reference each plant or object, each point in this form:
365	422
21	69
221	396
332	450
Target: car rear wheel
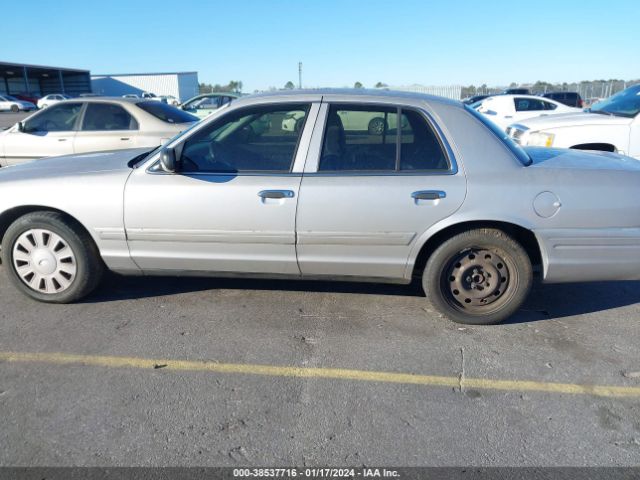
478	277
15	108
50	258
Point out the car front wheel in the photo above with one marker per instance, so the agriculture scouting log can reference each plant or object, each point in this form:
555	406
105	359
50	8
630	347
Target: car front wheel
478	277
50	258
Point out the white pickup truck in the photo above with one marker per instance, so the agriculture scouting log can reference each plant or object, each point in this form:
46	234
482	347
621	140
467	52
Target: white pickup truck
612	125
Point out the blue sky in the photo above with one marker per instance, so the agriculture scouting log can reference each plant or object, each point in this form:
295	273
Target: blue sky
398	42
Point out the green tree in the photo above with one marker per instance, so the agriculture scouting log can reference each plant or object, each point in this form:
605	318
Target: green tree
289	85
358	85
381	85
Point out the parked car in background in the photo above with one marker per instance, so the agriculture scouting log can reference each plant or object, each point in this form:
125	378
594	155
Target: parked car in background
89	95
89	125
570	99
516	91
13	104
170	99
31	98
145	95
329	202
589	102
204	105
475	98
612	125
52	99
506	109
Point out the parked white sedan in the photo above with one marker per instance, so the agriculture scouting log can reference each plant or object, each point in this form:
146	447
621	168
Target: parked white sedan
13	104
90	125
504	110
52	99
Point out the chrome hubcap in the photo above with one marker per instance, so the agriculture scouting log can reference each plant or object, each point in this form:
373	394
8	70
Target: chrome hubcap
477	278
44	261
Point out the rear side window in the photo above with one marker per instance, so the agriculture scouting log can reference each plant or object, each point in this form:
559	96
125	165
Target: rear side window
528	104
167	113
105	116
383	139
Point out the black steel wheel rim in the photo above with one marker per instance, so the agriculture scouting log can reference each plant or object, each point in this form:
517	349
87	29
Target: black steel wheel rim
478	281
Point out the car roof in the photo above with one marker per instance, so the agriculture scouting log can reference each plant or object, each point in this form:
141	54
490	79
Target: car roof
343	94
121	100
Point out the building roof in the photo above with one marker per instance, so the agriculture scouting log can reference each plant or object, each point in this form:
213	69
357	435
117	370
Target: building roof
141	74
5	65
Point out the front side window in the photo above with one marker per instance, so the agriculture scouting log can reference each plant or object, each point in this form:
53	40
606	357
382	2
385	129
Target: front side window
59	118
371	139
166	113
105	116
258	139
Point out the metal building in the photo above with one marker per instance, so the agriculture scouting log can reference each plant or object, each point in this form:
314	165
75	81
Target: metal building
182	85
38	80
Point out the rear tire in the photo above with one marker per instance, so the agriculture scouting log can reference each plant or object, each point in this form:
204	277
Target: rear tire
50	258
478	277
15	108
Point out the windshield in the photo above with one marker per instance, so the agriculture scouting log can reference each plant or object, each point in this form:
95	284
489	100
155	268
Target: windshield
623	104
518	151
166	112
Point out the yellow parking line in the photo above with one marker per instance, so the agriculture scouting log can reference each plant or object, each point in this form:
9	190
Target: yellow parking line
332	373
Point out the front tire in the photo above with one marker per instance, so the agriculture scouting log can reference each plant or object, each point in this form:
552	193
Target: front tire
377	126
15	108
478	277
50	258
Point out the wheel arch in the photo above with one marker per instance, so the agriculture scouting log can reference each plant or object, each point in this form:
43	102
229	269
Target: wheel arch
522	235
600	146
11	215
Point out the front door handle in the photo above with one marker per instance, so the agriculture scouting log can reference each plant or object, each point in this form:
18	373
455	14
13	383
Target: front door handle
429	195
276	194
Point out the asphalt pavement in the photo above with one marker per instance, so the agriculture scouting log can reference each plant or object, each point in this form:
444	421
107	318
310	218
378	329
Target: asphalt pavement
198	372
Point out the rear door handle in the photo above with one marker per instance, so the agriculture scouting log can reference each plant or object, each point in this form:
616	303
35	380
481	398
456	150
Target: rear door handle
125	138
276	194
429	195
62	139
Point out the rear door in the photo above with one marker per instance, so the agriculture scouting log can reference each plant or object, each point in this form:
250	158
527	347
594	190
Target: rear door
367	196
48	133
105	126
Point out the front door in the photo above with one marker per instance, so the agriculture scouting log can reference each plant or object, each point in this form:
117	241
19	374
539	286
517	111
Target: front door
373	193
232	207
49	133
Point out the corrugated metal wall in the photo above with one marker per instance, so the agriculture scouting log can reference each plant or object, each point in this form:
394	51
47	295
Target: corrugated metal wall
448	91
180	85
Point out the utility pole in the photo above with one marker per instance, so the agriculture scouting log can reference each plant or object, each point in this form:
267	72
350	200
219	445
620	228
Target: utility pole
299	74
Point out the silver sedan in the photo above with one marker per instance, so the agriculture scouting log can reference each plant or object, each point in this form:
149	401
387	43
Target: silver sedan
436	193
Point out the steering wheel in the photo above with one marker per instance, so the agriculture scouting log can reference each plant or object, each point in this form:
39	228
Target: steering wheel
215	159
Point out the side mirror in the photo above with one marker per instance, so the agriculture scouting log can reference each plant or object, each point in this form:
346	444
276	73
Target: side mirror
168	160
20	126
